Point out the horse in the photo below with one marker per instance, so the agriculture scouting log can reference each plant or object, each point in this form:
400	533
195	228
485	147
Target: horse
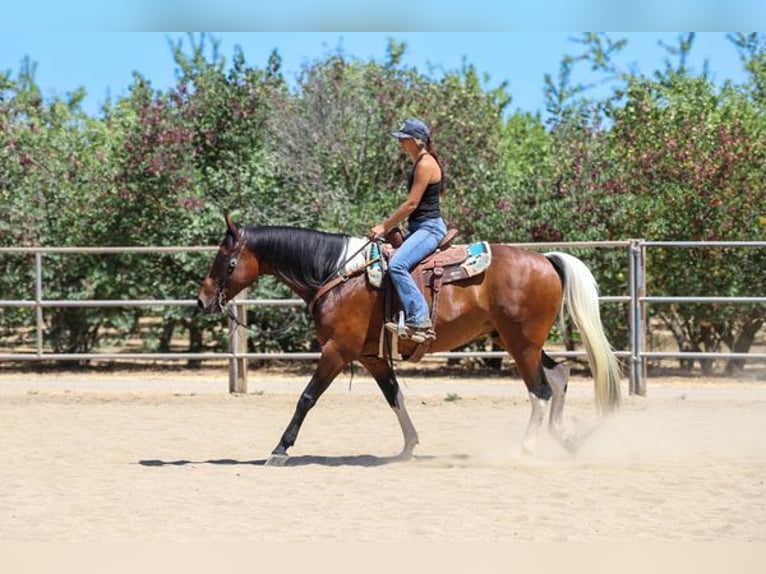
515	301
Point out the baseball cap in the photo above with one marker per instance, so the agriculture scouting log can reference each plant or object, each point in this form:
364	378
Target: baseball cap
413	128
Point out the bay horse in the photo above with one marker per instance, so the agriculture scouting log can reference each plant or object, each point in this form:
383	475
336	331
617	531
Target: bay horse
515	301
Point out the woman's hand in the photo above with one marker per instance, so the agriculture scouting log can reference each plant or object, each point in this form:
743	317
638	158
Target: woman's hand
376	232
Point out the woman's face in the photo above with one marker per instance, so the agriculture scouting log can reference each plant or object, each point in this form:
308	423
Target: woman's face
405	144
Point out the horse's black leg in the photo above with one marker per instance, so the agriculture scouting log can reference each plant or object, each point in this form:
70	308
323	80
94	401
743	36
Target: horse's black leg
386	378
331	363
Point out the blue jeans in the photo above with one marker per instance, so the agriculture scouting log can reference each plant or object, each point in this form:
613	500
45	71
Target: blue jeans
421	241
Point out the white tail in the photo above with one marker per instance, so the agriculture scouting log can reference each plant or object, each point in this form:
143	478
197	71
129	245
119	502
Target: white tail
581	298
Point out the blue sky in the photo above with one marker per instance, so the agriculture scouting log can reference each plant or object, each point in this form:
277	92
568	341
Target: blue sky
103	62
376	15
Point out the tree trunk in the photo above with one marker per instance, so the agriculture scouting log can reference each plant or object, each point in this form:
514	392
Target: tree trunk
673	322
744	340
195	344
710	343
167	335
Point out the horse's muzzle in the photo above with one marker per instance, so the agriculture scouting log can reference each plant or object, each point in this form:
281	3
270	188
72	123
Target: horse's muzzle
213	305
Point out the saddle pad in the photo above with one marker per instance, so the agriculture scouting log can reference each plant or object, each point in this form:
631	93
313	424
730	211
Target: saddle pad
374	261
479	258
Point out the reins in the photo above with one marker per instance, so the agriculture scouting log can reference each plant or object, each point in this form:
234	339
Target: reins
334	279
233	316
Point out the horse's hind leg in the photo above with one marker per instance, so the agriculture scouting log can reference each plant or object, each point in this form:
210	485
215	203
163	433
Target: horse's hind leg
546	381
535	422
527	356
557	375
386	379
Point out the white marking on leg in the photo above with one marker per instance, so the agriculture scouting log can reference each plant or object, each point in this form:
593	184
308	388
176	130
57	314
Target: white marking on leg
557	378
535	422
408	429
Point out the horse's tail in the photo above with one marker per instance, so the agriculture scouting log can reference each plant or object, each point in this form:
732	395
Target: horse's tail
581	297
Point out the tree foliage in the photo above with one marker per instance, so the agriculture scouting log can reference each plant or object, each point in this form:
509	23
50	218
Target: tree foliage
666	157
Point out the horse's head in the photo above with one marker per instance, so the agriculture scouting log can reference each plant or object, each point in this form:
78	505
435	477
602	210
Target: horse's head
234	268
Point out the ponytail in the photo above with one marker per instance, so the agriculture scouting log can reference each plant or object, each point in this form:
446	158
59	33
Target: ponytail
430	149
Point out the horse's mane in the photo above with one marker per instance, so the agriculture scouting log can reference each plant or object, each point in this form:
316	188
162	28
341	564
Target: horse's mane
296	255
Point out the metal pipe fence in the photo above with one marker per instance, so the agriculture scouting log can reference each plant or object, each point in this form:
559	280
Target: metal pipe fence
237	355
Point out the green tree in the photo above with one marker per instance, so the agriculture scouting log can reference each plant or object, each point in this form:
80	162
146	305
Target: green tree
667	158
54	175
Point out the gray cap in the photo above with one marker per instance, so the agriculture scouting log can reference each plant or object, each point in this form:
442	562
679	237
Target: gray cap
413	128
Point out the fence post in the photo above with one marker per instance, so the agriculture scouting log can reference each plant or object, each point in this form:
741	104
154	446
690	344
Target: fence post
637	291
39	327
642	346
237	346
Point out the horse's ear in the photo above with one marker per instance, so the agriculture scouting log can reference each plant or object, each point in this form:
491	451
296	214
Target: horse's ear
231	226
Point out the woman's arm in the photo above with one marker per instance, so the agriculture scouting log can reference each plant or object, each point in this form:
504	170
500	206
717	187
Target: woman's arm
426	172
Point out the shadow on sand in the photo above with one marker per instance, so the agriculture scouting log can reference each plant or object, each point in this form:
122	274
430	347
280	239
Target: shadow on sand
361	460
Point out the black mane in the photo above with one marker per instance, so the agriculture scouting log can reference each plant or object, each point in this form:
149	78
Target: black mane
297	256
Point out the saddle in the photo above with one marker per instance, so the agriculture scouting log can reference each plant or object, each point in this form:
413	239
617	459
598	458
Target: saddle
448	264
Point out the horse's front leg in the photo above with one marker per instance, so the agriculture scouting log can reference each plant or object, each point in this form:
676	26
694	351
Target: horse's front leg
386	379
331	363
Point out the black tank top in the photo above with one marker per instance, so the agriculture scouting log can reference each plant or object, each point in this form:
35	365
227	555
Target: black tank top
428	208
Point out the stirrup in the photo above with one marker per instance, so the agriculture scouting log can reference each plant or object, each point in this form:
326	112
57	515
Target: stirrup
400	332
415	334
398	326
421	334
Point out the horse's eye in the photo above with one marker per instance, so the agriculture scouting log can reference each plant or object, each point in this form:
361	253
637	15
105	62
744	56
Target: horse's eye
232	264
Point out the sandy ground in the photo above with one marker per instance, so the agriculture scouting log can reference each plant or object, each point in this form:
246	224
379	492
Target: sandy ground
173	457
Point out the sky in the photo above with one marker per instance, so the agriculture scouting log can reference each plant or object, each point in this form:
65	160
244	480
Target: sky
103	62
380	15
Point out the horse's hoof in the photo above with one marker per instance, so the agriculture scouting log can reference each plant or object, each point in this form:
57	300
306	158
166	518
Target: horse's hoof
277	460
528	448
526	453
572	449
571	445
405	455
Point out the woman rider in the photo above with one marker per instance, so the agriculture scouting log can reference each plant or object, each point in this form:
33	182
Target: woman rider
425	226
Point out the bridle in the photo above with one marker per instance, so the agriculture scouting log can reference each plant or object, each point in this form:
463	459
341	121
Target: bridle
222	285
227	309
